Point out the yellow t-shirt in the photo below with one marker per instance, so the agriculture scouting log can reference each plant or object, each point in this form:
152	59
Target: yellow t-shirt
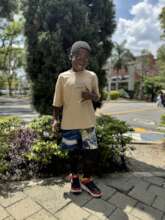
69	85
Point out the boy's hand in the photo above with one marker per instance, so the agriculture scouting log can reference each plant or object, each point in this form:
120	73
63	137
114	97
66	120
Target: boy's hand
86	95
55	125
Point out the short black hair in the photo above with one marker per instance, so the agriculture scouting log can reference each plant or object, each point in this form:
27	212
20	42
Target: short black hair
77	45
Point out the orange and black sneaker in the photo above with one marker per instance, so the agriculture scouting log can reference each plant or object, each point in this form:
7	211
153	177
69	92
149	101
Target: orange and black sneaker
75	184
89	186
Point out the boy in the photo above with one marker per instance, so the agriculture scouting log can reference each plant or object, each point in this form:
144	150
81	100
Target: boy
75	91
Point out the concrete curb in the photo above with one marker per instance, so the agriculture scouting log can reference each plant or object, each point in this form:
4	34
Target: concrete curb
147	142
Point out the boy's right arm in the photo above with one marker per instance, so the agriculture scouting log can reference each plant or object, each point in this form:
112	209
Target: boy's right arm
56	118
57	104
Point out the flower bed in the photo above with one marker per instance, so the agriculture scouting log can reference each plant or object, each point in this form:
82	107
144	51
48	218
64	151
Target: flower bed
34	150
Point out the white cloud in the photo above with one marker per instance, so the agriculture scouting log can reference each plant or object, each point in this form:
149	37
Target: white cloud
141	10
143	31
162	2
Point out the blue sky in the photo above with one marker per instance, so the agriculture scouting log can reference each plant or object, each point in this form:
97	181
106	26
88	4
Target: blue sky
137	21
123	7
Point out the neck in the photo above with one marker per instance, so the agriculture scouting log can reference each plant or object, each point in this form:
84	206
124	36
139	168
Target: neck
77	71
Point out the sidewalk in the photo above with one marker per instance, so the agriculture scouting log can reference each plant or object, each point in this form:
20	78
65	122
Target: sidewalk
127	196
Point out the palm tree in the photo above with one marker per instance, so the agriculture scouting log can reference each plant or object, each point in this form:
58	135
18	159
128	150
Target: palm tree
120	57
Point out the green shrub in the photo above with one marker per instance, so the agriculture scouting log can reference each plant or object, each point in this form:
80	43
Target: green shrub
8	123
162	120
43	126
49	158
123	93
114	95
44	151
105	95
112	142
20	143
4	164
111	95
29	152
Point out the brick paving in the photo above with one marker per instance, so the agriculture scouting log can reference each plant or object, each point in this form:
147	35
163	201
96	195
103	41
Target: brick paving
126	196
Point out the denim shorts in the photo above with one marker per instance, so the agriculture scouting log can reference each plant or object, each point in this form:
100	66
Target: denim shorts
80	139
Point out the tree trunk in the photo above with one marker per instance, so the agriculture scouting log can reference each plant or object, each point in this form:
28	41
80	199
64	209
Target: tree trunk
10	87
117	80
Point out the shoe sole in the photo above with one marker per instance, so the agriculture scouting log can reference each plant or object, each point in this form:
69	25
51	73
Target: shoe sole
75	191
92	194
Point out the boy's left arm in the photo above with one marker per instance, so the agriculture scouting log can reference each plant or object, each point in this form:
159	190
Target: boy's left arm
95	89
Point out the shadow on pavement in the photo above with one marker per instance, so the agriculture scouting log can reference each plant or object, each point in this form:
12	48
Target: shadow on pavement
126	196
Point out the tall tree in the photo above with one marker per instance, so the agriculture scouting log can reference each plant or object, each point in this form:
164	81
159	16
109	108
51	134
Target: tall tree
145	63
120	57
152	87
11	56
161	64
8	8
161	51
162	21
51	28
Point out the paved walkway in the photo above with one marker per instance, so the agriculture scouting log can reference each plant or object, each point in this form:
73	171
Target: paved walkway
128	196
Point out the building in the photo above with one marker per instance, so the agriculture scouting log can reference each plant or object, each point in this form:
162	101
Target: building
125	78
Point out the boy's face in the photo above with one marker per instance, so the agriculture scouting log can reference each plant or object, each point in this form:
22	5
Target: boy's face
80	60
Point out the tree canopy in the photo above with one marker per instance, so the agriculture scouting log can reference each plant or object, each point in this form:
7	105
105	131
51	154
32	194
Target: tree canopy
161	51
7	8
120	58
11	55
161	64
162	21
51	28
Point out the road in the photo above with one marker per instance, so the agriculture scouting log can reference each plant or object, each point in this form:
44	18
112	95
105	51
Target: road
135	113
17	106
142	116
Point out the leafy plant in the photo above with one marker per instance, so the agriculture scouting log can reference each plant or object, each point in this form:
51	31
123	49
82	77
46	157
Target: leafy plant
4	165
112	142
105	95
162	120
114	95
20	144
42	126
28	152
123	93
9	123
152	87
44	151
